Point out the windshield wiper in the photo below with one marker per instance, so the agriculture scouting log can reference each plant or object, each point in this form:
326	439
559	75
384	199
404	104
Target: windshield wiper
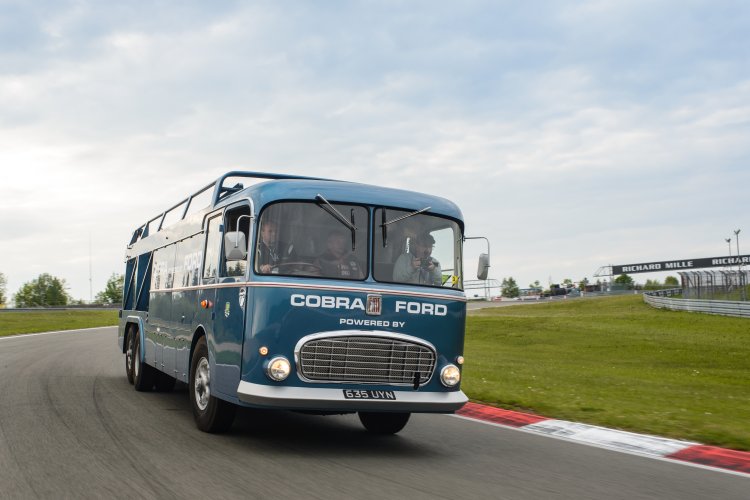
339	216
385	224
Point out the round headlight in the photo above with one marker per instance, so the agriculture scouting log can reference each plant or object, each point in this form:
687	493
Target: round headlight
278	368
450	376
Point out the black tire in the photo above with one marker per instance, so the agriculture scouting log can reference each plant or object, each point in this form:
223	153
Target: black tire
144	375
211	413
164	383
129	352
383	423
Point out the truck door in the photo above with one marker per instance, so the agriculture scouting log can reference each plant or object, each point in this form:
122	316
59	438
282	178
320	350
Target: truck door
231	299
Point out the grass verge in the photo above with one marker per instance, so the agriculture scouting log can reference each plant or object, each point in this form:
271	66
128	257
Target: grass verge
616	362
13	323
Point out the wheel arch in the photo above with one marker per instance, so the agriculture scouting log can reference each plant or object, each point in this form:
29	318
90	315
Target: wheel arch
197	334
135	322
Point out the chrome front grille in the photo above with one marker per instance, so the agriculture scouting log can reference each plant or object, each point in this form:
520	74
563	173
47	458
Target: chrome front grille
361	359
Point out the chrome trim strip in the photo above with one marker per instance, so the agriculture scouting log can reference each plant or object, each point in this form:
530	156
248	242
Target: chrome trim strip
333	399
333	288
360	333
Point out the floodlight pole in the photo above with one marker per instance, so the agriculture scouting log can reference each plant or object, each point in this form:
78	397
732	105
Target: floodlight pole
737	234
729	242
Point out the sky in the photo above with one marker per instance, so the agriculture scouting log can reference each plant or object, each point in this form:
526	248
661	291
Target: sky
573	135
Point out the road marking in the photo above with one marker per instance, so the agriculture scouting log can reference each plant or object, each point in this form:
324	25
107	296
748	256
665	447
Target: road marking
26	335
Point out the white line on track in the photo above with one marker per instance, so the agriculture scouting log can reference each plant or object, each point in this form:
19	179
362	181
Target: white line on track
26	335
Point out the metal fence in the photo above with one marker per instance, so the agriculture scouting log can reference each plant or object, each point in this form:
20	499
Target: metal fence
481	289
729	285
722	307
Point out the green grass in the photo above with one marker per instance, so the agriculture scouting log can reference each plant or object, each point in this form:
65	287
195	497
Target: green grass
12	323
616	362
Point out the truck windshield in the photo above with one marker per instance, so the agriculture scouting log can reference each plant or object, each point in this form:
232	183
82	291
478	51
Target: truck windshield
419	249
306	239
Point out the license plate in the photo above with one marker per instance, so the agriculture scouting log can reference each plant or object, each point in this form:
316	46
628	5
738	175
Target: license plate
362	394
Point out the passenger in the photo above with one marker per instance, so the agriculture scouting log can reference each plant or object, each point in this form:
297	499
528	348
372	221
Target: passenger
337	261
418	265
397	237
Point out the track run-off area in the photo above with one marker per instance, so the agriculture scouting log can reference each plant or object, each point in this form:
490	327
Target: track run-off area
72	427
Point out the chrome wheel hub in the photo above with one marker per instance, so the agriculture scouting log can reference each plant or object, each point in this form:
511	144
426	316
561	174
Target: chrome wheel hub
202	384
129	356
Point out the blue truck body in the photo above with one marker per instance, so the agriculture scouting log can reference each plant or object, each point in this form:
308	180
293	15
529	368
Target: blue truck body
179	290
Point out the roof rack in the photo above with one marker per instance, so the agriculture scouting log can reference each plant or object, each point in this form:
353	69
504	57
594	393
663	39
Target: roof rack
220	192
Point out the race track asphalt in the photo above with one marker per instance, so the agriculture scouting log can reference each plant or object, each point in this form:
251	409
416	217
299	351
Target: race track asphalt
72	427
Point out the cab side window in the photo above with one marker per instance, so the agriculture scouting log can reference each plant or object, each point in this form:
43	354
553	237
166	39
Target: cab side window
213	249
236	231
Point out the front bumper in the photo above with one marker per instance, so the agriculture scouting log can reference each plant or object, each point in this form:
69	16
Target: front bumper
315	398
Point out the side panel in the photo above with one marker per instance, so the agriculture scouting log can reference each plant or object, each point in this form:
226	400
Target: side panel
204	253
159	326
185	304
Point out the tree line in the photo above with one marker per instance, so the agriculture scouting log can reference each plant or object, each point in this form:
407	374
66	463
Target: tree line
50	291
509	287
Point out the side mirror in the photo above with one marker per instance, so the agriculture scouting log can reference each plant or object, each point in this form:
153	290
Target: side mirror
484	266
235	245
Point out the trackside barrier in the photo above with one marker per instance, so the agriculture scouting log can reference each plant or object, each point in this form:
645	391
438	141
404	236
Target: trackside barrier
721	307
61	308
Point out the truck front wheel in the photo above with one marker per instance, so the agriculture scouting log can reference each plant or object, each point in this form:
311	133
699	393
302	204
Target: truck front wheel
211	413
383	423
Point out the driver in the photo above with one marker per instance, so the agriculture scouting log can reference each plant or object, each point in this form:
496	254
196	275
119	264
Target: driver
418	266
337	261
269	253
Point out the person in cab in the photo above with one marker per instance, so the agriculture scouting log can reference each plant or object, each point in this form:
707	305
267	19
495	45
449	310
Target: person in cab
338	261
417	265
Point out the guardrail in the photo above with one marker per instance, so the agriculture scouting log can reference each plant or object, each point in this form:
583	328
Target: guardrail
666	292
722	307
62	308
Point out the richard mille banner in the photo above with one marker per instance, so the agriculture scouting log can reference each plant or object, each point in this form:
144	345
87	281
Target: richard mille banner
678	265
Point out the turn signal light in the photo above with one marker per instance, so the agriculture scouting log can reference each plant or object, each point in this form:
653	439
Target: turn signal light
205	304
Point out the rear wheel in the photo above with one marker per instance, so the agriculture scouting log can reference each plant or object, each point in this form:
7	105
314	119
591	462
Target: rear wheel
129	352
143	375
211	413
383	423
